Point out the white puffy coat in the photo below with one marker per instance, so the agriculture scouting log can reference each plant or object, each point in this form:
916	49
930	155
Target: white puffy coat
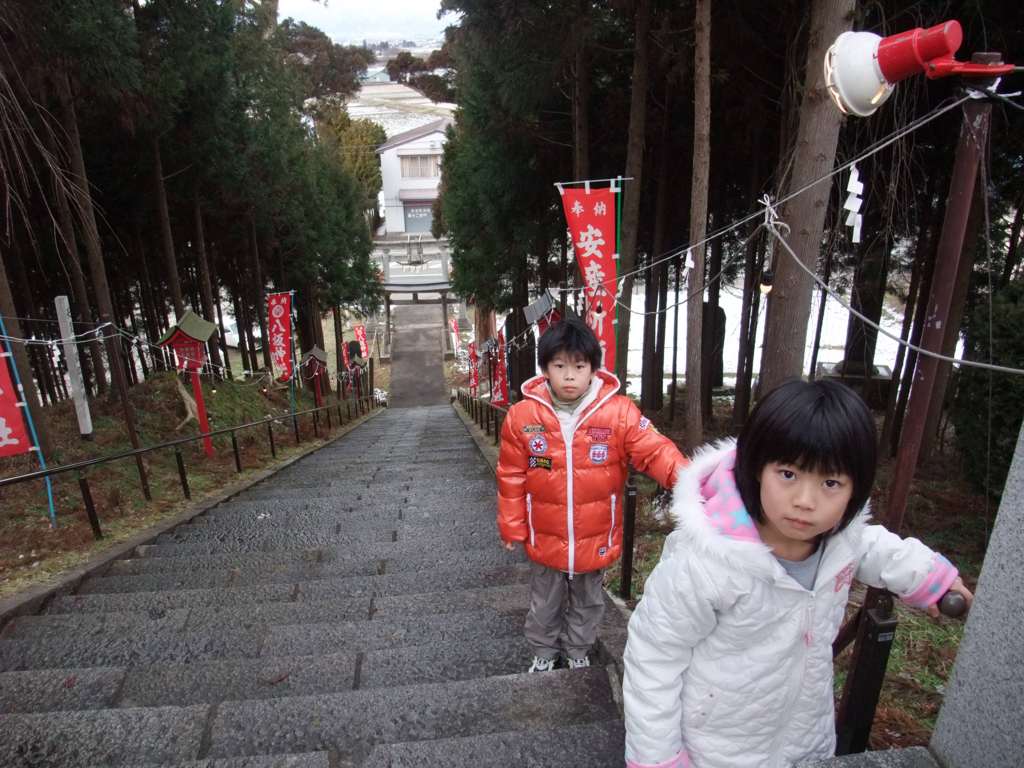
729	660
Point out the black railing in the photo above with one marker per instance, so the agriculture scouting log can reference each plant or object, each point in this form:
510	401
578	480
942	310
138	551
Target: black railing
487	415
362	405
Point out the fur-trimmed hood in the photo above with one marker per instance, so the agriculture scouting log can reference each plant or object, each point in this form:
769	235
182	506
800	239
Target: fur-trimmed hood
711	518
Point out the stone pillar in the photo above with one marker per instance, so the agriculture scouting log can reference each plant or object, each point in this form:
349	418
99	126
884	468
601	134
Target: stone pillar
980	724
981	720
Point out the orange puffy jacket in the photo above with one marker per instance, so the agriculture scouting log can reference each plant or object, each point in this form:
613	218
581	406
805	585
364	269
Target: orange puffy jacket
562	498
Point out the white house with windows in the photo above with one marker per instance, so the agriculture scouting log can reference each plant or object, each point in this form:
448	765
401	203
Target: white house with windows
410	169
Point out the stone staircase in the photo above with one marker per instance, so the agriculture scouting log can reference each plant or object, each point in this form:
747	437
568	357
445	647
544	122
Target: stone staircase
354	610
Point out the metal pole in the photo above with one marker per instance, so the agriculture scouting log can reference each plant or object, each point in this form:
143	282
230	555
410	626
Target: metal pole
270	435
181	473
90	507
234	447
821	320
860	695
628	524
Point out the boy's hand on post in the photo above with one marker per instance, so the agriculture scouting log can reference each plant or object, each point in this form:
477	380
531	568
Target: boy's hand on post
509	545
959	588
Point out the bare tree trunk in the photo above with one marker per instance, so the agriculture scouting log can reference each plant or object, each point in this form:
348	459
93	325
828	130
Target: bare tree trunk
633	189
97	268
220	316
580	96
205	284
652	377
1013	245
789	304
698	220
92	362
166	236
260	300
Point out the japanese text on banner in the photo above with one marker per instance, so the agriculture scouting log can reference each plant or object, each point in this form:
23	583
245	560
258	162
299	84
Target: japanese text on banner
474	370
14	438
455	330
364	348
279	327
590	214
500	394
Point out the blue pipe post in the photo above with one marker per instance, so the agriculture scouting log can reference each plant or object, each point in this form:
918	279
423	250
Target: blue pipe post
28	420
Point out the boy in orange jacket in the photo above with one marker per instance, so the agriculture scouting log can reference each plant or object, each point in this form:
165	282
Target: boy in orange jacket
563	462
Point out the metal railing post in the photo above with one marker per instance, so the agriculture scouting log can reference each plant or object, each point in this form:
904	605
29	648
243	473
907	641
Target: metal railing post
316	424
295	428
327	411
90	507
628	528
270	435
234	447
875	634
181	473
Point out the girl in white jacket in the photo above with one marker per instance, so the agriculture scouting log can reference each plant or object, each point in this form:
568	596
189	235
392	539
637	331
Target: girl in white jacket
729	657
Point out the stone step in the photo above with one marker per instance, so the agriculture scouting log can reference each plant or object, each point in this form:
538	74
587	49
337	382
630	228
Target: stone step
310	564
433	535
467	555
409	585
506	599
307	760
161	685
351	725
300	512
444	483
590	745
109	737
167	641
391	632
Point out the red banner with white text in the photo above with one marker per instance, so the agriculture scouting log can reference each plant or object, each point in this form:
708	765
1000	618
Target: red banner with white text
279	312
590	214
14	437
455	330
364	348
500	394
474	370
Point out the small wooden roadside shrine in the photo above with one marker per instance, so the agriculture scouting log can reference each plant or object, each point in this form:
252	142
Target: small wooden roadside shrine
314	362
188	339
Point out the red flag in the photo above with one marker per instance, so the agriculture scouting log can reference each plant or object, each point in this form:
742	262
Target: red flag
474	370
344	353
14	437
364	348
500	394
590	214
279	310
455	329
546	321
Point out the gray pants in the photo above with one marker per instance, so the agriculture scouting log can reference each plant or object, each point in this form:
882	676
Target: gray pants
564	613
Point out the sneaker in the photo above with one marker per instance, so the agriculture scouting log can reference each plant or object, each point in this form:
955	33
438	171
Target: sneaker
578	663
542	665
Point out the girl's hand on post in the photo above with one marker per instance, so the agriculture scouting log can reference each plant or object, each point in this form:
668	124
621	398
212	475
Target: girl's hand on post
957	587
509	545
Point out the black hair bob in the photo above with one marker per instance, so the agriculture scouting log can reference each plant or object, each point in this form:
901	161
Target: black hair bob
573	337
822	426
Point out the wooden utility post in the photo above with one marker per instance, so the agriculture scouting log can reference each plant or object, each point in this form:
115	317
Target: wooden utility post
867	666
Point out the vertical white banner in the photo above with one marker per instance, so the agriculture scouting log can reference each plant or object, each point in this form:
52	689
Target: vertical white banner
67	335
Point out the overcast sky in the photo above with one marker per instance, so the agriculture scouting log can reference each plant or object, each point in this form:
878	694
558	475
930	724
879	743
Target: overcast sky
356	20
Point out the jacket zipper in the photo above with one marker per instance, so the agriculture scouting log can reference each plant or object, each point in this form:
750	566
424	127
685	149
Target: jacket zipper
611	531
529	519
568	439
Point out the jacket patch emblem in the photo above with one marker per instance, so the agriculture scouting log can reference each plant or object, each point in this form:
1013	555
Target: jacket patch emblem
530	428
539	445
599	434
602	551
844	578
644	423
540	462
599	453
